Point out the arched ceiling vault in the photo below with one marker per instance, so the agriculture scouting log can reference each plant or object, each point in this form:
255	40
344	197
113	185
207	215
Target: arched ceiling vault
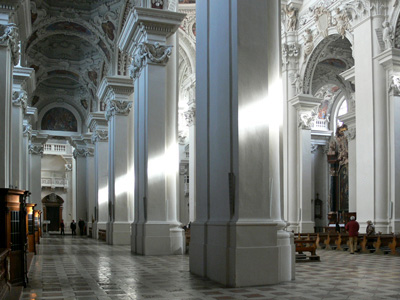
71	47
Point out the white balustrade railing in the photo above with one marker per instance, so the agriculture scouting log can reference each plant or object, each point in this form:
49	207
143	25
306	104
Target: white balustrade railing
55	182
55	149
320	124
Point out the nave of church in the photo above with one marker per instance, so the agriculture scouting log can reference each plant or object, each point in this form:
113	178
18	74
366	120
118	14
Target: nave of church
234	124
76	268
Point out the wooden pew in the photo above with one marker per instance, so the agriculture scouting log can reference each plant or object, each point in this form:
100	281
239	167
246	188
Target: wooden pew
303	245
102	234
4	285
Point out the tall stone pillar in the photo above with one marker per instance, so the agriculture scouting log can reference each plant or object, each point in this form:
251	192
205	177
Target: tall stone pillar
237	237
80	154
292	86
9	57
145	37
306	106
190	116
98	125
117	93
372	132
36	154
390	60
29	118
22	85
90	189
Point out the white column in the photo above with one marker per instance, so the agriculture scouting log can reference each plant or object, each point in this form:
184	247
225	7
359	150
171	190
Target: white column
117	93
145	37
98	126
238	153
372	132
90	189
190	116
389	59
306	107
30	118
81	209
36	153
22	85
8	58
292	86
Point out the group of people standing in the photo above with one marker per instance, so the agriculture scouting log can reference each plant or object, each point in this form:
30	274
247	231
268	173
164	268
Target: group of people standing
352	227
81	225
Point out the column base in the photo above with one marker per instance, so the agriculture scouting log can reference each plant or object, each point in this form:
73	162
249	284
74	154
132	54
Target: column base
100	226
198	248
307	227
395	225
243	254
293	227
380	226
121	233
157	238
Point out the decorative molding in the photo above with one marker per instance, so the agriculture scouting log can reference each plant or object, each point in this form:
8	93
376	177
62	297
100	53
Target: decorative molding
9	36
20	99
342	22
100	135
323	20
190	116
68	167
117	107
27	130
36	149
350	133
307	119
358	10
83	152
290	52
394	86
148	53
314	148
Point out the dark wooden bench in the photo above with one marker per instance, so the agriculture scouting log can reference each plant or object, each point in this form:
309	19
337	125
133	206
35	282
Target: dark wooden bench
102	234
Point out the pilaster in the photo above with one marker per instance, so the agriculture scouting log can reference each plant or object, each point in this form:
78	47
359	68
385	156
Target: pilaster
306	106
8	58
145	38
99	127
117	93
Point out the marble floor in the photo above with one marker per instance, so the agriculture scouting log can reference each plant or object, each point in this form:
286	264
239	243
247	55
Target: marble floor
81	268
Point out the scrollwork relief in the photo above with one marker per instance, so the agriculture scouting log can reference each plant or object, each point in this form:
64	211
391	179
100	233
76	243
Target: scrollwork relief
307	119
100	136
9	34
116	107
190	116
20	99
36	149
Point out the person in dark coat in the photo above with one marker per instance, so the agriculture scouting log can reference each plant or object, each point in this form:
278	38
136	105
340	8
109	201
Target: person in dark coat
352	228
73	227
62	226
81	225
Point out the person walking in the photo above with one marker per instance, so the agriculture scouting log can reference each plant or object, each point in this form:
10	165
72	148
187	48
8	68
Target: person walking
62	226
81	225
352	228
73	227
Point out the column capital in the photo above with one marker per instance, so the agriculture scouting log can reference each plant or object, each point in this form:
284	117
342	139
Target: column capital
9	37
117	107
27	129
360	10
24	78
83	152
307	108
99	127
115	88
20	99
100	135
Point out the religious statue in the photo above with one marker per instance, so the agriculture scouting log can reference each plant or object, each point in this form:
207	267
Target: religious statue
341	21
297	82
387	35
291	17
308	43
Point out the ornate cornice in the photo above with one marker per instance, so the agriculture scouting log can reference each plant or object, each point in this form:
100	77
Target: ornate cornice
100	135
36	149
190	116
116	107
148	53
358	10
20	99
9	36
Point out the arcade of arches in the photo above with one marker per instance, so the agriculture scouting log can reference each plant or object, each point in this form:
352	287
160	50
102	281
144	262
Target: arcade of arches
141	116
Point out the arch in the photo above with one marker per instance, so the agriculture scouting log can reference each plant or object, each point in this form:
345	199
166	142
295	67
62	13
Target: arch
52	210
66	106
311	64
